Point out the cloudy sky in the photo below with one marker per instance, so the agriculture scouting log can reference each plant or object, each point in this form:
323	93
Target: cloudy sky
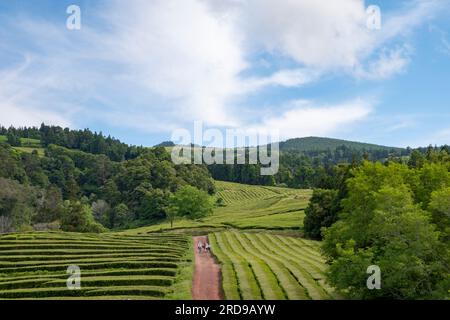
139	69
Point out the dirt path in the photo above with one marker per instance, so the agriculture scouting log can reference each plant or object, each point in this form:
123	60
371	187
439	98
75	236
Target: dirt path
206	284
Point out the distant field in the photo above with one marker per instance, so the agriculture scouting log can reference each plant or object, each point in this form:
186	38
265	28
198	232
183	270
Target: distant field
249	207
264	266
28	145
40	151
33	265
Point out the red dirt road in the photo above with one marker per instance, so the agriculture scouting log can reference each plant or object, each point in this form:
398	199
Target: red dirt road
206	283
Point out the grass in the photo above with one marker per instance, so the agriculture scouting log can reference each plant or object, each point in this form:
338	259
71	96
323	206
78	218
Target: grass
28	145
33	265
26	142
247	207
40	151
282	267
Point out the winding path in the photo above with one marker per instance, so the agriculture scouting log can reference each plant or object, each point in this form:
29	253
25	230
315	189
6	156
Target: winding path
207	275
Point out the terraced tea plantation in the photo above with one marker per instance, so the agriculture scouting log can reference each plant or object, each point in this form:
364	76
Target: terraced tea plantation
265	266
248	207
34	265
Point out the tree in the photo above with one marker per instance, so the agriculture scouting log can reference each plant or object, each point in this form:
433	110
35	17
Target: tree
78	217
13	140
154	204
321	212
100	211
52	206
18	203
380	224
5	224
416	160
120	215
189	202
440	210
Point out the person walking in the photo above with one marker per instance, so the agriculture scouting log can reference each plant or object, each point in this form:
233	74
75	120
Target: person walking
199	246
208	247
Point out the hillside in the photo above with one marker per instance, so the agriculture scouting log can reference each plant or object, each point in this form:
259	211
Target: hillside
323	144
246	207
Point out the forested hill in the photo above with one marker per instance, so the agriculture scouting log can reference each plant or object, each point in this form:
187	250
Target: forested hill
83	181
323	144
84	140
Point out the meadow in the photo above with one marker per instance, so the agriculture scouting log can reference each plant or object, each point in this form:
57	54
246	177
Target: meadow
28	145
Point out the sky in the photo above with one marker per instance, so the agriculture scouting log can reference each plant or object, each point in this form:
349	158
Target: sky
138	70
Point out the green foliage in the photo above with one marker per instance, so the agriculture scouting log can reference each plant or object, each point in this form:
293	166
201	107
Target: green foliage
248	207
383	224
18	204
77	217
323	144
154	204
52	206
10	165
143	184
189	202
308	163
440	210
120	215
13	139
321	212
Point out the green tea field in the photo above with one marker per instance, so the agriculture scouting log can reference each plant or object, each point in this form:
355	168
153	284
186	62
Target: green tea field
248	207
265	266
34	265
255	258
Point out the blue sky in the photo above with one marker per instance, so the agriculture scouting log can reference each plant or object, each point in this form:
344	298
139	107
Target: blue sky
139	69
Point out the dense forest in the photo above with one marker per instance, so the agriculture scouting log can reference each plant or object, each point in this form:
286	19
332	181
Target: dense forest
309	165
88	191
84	140
393	215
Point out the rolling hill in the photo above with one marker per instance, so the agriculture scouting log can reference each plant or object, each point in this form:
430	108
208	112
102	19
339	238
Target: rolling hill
322	144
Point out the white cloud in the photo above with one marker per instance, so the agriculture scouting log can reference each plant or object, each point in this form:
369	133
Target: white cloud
325	34
286	78
305	118
156	65
388	63
180	52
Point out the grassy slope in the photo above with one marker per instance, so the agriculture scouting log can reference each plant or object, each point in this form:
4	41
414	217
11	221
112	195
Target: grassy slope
28	145
248	207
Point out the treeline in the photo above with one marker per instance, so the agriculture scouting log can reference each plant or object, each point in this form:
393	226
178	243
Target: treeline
86	192
84	140
305	169
393	215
